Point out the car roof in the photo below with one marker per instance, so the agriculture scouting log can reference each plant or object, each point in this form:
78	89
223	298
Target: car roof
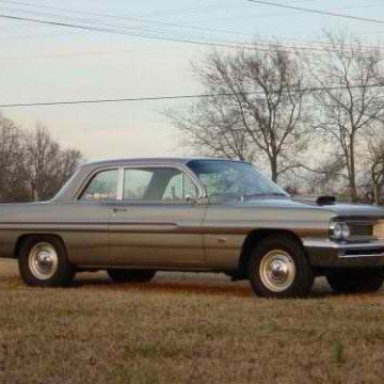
148	160
77	180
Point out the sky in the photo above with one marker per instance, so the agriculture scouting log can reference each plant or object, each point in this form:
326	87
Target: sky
40	63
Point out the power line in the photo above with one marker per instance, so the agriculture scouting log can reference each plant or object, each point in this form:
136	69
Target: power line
117	100
134	18
116	17
255	47
124	32
317	11
29	4
133	32
149	49
174	97
251	16
194	10
119	27
121	32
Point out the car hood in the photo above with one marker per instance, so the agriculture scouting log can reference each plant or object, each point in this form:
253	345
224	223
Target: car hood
339	209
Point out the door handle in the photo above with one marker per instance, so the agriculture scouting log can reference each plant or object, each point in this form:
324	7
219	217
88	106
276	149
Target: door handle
116	210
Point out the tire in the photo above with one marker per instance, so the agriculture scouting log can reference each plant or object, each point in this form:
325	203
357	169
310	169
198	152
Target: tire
355	281
292	275
130	275
43	262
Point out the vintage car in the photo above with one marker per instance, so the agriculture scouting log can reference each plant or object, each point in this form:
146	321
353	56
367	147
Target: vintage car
138	216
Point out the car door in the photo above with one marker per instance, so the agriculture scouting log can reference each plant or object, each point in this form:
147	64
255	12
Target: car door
90	215
157	223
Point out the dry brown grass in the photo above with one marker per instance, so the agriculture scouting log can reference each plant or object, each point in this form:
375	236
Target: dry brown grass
185	329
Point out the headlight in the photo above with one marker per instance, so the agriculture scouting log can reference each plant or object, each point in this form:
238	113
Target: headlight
339	231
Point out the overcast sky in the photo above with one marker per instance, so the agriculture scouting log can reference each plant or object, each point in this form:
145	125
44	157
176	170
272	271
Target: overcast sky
52	63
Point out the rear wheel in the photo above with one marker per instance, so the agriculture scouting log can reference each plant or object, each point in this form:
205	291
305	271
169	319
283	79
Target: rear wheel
355	281
278	267
43	262
130	275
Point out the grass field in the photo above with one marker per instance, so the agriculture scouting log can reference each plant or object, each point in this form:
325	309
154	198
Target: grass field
185	328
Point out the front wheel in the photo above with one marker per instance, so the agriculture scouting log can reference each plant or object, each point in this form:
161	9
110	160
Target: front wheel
43	262
130	275
355	281
278	267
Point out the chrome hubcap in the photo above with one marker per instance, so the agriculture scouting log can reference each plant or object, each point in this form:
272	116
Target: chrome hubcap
277	270
43	261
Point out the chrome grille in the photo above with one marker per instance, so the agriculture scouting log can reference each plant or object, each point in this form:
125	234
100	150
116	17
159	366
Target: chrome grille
361	229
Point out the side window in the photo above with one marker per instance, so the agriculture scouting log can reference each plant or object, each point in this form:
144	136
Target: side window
157	184
136	182
179	187
103	186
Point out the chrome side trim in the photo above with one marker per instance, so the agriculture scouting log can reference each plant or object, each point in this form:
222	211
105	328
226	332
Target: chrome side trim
346	250
133	226
342	246
360	255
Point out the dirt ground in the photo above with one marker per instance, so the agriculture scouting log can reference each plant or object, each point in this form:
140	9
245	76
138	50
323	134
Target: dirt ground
185	328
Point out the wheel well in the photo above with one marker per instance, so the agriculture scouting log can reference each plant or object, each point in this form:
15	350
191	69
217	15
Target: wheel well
22	238
255	237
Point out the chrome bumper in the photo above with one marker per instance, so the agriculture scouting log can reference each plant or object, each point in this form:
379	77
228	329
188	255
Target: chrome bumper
327	253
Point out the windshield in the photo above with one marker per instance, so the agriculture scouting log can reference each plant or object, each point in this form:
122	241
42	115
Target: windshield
225	180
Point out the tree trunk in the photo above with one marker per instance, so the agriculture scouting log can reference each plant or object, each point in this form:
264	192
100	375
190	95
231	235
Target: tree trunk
352	175
35	194
376	193
273	161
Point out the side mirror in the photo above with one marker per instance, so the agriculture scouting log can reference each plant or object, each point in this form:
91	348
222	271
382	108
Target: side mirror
190	199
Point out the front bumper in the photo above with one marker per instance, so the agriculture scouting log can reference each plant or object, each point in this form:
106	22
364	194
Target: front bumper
327	253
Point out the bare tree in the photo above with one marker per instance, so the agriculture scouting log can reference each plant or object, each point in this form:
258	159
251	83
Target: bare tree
259	110
11	187
212	130
328	177
33	166
350	99
374	167
69	160
46	166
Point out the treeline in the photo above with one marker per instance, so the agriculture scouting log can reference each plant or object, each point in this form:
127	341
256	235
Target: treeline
313	118
33	166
